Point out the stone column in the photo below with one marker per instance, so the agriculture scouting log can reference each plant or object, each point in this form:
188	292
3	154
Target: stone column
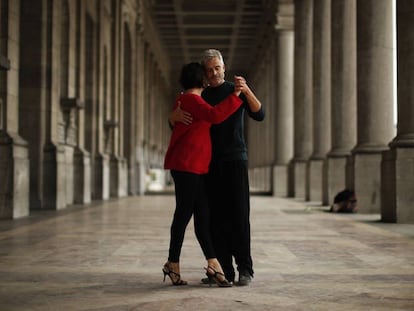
82	158
54	162
321	97
343	96
39	103
260	145
284	113
139	157
14	155
398	163
121	90
375	98
303	95
131	113
94	125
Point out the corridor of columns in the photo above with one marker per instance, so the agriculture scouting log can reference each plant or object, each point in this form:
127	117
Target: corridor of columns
86	88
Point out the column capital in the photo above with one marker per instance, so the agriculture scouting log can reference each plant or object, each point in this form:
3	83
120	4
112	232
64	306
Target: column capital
284	16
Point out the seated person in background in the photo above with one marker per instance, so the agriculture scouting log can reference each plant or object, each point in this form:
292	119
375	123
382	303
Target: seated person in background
345	202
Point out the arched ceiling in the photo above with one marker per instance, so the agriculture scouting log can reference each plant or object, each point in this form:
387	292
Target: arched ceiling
238	28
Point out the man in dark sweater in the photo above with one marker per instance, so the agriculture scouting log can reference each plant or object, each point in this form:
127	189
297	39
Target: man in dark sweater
228	181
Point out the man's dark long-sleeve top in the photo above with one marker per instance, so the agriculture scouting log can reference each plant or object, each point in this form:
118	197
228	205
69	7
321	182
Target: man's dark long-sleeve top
227	138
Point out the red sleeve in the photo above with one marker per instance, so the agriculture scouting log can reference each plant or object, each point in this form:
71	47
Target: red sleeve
200	109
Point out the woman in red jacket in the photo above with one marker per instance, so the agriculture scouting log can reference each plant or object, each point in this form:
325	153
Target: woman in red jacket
188	157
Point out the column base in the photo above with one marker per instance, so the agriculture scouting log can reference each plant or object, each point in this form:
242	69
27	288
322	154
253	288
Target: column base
82	177
397	178
300	176
119	175
367	180
69	174
54	179
281	181
14	174
132	188
260	179
315	181
101	178
140	174
336	177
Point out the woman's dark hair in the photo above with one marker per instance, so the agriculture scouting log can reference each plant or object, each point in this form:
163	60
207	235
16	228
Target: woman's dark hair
192	75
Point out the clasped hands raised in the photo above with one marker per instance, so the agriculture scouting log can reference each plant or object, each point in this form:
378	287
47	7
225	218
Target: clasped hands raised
240	84
179	115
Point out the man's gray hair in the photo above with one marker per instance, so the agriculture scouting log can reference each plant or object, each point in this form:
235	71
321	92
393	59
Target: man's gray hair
209	54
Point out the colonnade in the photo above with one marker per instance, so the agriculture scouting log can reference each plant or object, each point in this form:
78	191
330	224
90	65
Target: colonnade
334	121
84	86
85	91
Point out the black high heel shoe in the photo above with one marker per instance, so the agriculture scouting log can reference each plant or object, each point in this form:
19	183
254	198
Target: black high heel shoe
214	277
174	277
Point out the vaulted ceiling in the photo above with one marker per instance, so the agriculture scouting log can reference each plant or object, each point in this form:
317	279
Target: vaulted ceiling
238	28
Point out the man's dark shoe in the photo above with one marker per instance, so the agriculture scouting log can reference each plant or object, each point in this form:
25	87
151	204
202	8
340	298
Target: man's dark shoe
210	281
207	281
244	278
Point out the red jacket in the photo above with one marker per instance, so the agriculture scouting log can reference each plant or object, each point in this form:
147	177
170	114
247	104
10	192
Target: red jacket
190	145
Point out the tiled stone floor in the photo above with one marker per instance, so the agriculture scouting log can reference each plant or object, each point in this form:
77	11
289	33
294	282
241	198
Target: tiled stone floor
108	256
